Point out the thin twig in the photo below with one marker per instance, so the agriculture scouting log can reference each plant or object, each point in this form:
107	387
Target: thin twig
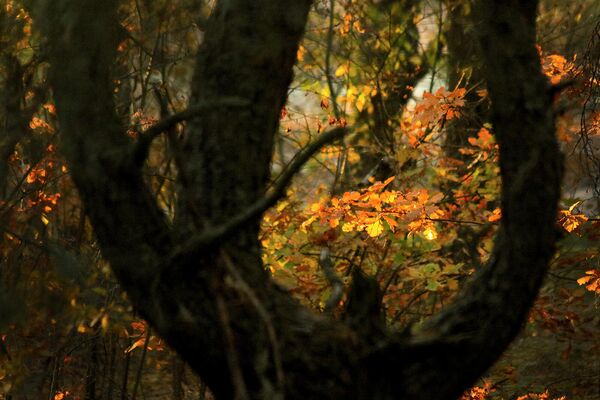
407	306
455	221
145	140
138	376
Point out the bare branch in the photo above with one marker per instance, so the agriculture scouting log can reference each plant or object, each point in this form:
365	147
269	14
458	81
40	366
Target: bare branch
269	200
145	140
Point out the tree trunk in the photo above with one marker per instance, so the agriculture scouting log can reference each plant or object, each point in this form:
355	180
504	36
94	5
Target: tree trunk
214	303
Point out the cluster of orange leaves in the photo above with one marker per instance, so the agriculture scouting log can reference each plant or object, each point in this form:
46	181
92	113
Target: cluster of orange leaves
478	392
556	67
140	334
39	176
60	395
38	123
540	396
591	280
140	120
435	108
482	393
594	124
49	201
570	221
350	23
368	209
483	145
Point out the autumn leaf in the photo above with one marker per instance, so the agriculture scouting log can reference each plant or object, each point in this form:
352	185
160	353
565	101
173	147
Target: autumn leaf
348	227
36	123
452	284
392	224
570	221
496	215
430	233
60	395
585	279
341	70
138	343
50	108
351	196
388	197
375	229
591	281
345	28
300	53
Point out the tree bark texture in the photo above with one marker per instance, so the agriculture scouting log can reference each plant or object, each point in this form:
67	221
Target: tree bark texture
215	304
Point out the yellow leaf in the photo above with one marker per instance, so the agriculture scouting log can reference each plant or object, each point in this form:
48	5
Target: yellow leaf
308	222
315	207
282	205
341	70
430	233
574	205
375	229
360	102
104	323
348	227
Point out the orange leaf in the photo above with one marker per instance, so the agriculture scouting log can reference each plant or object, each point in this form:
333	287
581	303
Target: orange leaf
393	224
137	343
585	279
496	215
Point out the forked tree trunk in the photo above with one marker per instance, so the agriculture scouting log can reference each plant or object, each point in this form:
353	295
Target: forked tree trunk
214	303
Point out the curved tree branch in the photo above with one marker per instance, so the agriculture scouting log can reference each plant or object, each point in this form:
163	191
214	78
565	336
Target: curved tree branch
469	335
140	151
255	210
